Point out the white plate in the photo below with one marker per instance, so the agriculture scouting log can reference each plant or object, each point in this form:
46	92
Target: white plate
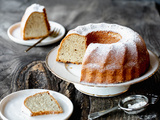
10	106
71	73
14	34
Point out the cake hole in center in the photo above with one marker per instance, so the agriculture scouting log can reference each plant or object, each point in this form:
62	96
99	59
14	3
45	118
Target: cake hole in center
103	37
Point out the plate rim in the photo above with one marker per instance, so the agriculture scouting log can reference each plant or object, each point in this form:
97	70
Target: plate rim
16	40
104	85
37	90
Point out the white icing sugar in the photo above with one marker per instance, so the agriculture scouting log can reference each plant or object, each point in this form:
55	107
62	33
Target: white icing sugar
100	51
137	105
125	32
33	8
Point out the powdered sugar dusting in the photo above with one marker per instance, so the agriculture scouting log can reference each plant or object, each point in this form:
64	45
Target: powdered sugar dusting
137	105
125	32
109	52
35	7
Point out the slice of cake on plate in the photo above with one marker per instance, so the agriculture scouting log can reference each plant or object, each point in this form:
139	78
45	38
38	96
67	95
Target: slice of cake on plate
34	23
41	104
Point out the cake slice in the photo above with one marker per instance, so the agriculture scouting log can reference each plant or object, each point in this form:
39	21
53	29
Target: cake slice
40	104
34	23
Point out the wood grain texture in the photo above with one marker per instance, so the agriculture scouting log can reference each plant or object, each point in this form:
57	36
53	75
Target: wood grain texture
19	70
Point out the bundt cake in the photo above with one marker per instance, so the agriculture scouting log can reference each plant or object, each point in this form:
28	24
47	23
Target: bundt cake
34	23
109	53
40	104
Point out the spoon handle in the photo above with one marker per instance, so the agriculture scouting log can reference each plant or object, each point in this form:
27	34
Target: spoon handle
101	113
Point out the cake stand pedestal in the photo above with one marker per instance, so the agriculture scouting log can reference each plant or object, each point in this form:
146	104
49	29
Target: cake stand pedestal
101	91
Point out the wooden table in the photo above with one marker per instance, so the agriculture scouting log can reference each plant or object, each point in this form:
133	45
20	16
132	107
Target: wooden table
20	70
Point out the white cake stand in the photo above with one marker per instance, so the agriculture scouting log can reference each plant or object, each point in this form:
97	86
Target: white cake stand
71	73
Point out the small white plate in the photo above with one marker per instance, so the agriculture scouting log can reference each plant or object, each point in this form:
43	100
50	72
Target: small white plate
10	106
71	73
14	34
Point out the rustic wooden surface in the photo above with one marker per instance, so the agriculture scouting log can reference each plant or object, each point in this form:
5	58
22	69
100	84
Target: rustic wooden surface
20	70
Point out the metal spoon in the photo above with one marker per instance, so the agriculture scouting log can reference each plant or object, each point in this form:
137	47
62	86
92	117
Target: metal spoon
134	100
